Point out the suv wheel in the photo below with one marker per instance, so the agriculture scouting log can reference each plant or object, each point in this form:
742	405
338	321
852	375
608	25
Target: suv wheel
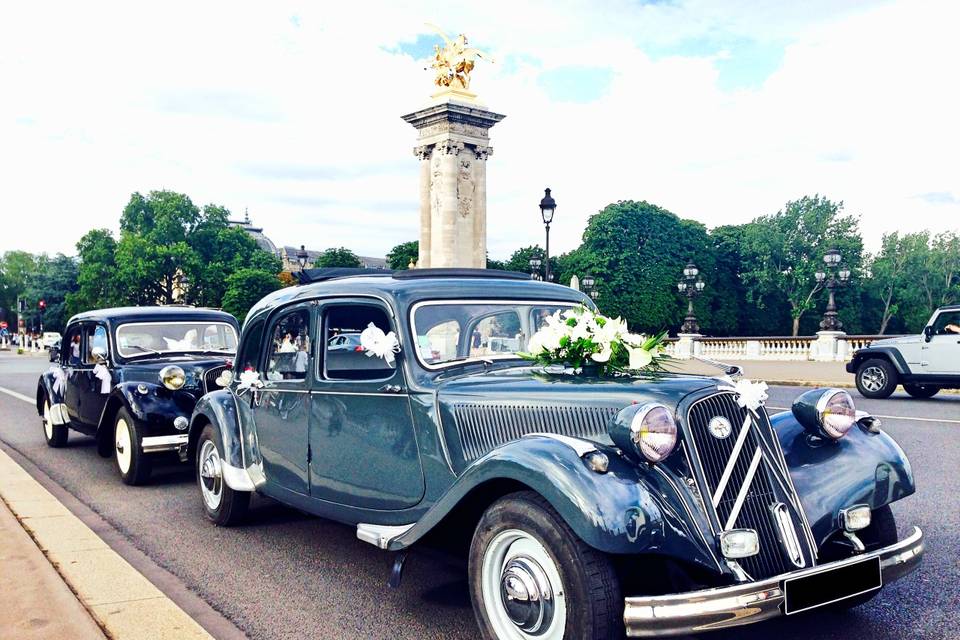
55	434
223	506
921	390
876	378
532	577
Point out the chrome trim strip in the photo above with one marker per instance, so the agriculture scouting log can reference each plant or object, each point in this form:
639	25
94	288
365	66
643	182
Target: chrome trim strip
744	489
732	461
266	387
153	444
381	535
580	447
740	604
788	534
360	393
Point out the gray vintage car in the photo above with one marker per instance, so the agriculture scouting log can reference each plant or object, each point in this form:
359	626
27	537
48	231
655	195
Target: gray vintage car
588	507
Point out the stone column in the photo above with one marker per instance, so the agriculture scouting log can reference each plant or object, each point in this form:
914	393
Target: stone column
453	147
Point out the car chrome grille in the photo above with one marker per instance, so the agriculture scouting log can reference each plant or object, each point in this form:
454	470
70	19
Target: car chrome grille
210	378
754	491
483	427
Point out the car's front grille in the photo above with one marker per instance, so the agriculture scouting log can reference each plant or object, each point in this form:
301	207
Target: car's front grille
756	488
210	378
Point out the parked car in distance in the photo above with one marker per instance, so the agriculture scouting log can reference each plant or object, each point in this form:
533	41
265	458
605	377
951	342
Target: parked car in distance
131	376
586	507
924	364
49	338
54	351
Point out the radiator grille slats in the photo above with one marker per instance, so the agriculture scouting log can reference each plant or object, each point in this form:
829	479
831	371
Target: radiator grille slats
210	376
483	427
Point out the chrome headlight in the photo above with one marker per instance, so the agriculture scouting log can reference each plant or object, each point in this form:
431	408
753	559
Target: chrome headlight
647	432
827	413
172	377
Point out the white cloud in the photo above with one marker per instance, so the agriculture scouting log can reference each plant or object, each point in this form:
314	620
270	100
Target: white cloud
293	111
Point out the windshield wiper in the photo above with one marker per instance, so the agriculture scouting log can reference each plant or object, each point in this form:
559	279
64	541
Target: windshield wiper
144	349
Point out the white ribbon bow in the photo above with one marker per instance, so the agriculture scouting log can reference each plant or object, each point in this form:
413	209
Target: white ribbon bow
751	395
103	375
249	380
59	380
377	343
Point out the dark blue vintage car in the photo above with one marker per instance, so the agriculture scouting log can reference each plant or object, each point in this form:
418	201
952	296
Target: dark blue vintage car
130	377
588	507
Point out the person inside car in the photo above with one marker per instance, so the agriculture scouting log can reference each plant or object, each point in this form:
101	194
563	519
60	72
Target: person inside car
951	328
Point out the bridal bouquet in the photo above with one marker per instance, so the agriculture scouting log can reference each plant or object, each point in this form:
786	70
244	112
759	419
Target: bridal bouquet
581	338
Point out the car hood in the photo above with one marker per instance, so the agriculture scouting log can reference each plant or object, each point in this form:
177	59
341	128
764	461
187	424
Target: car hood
892	341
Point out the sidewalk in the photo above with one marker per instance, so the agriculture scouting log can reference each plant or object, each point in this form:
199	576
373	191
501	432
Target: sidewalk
800	373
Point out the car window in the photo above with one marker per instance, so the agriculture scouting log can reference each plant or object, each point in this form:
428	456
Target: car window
498	333
345	356
289	349
250	349
96	337
70	348
943	320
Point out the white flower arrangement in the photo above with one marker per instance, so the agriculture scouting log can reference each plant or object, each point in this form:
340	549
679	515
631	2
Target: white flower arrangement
580	337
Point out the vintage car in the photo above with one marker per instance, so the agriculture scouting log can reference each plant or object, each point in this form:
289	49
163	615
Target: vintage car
130	377
588	507
924	364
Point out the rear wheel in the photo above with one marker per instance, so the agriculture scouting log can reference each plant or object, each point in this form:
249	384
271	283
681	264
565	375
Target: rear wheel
876	378
921	390
882	532
132	463
531	577
55	434
223	506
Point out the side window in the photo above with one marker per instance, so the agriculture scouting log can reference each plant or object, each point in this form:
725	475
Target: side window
499	333
95	336
289	348
250	349
344	356
946	323
70	347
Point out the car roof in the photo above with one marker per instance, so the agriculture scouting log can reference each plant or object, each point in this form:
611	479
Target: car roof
950	307
161	314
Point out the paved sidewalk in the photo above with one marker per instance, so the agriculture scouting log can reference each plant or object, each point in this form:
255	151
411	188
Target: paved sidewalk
37	604
801	373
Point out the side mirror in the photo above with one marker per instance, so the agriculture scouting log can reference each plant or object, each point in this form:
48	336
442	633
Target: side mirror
99	355
928	333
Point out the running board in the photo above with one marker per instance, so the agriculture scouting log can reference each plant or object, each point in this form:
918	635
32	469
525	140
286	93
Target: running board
380	535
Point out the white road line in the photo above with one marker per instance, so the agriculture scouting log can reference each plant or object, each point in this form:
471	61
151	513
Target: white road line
18	396
877	415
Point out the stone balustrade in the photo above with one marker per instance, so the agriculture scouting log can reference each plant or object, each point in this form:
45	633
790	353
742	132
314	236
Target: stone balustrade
826	346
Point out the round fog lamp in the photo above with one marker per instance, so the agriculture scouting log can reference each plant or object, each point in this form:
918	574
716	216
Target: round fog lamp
836	413
172	377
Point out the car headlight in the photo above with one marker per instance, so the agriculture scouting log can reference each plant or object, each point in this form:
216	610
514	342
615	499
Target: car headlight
172	377
647	431
827	413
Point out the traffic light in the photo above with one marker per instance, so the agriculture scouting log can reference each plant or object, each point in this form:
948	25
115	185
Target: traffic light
42	304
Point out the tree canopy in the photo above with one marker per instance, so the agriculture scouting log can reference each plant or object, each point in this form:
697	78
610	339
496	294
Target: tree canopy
400	257
337	257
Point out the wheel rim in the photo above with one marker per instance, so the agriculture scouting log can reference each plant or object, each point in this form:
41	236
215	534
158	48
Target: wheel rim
211	475
873	378
522	591
123	445
47	421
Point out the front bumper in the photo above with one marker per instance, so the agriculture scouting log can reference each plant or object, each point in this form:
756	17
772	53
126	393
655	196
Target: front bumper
711	609
156	444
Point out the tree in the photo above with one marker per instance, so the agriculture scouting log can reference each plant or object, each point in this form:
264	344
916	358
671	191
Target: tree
940	283
16	268
337	257
54	280
403	254
97	285
245	288
519	261
783	251
896	272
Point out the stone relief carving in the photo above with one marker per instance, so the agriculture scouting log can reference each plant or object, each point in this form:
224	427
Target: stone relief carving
423	152
450	147
454	127
482	152
465	187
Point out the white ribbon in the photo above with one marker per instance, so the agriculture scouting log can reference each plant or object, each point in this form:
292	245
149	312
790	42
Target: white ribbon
751	395
249	380
377	343
59	380
103	375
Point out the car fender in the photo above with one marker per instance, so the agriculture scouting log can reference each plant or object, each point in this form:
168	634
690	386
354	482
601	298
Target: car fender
887	353
241	466
629	509
829	475
48	387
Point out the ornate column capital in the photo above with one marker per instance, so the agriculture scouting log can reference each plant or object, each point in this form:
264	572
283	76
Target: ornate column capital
449	147
423	152
483	152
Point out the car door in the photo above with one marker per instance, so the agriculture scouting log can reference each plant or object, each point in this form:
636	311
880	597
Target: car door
71	353
281	409
93	391
363	447
941	356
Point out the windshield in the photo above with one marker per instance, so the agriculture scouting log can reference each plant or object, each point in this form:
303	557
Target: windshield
138	338
448	332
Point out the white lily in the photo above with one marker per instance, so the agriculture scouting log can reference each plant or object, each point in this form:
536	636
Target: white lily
639	358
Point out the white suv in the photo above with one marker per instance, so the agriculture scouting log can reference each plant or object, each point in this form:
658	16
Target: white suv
923	364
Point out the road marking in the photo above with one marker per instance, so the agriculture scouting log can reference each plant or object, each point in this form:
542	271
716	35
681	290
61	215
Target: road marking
18	396
877	415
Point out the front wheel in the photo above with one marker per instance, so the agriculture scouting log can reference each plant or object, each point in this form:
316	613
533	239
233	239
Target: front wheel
132	463
531	577
921	390
876	378
223	506
55	434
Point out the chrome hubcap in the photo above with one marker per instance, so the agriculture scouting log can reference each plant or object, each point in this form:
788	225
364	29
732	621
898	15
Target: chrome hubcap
873	378
211	475
521	588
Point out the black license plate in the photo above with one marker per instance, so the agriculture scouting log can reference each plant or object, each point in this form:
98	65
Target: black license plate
831	585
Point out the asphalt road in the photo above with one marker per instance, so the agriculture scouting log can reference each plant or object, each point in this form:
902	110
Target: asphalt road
287	575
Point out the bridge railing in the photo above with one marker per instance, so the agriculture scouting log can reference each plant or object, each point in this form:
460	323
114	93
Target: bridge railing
826	346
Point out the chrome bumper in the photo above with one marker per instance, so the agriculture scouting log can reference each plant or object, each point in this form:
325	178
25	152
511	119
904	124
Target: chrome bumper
155	444
710	609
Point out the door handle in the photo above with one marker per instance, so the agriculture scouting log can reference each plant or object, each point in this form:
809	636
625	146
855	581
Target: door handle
390	388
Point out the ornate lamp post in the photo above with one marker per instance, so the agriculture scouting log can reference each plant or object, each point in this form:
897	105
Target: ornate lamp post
691	286
535	263
589	284
836	275
547	208
302	258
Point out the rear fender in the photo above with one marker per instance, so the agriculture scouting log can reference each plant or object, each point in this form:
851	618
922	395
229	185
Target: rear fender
50	386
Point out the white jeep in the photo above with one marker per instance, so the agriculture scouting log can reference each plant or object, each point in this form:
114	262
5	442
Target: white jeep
924	364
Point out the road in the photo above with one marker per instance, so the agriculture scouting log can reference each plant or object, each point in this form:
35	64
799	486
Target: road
287	575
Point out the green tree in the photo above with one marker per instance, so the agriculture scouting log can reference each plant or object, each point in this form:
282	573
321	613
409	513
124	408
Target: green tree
896	271
16	269
96	278
519	261
53	281
337	257
940	283
403	254
245	288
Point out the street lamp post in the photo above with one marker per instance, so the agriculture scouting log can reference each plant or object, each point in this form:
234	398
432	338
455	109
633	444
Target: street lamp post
535	263
302	257
836	275
43	307
547	208
589	284
691	285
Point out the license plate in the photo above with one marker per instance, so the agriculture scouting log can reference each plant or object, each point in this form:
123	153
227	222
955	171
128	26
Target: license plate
831	585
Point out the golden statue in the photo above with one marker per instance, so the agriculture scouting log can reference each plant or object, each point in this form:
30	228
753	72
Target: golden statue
454	62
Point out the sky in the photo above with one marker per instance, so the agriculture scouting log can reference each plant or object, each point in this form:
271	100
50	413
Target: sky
716	111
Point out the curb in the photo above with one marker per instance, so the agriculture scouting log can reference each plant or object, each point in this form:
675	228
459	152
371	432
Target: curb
838	385
120	599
